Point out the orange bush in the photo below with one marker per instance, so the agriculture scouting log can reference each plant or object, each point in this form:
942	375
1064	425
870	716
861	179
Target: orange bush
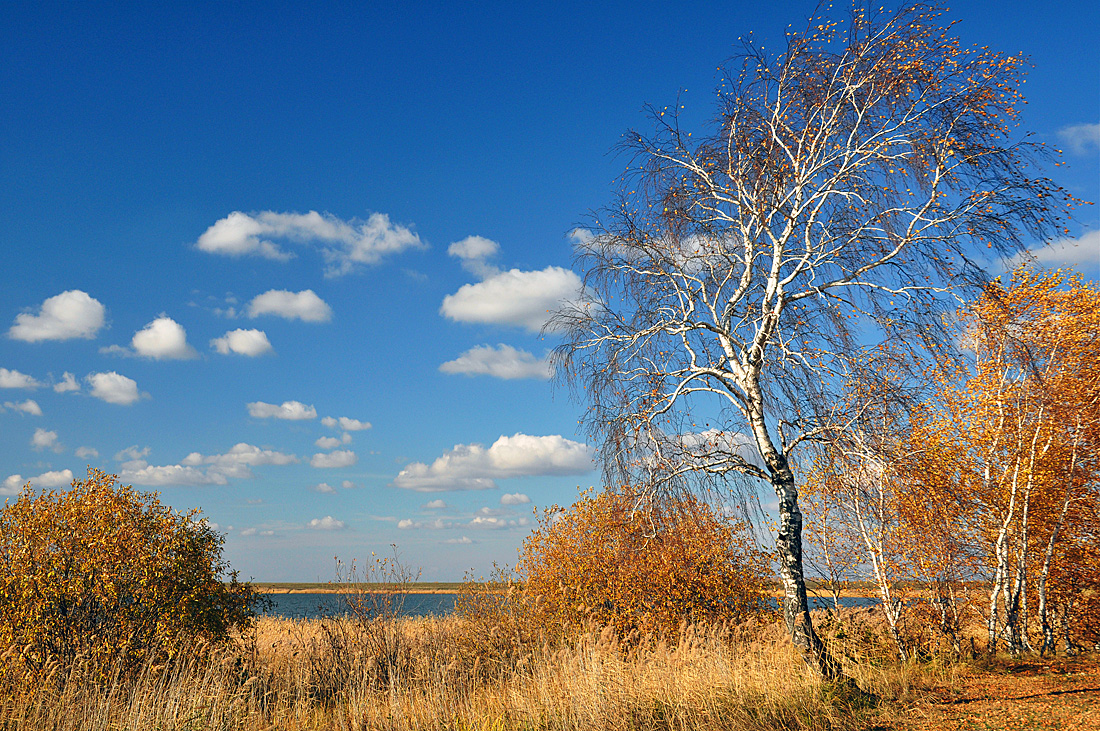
641	564
102	571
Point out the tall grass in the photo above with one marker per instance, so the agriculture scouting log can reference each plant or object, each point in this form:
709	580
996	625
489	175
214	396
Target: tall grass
446	673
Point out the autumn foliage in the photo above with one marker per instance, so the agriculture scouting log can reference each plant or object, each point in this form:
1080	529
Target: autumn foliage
107	573
991	481
641	563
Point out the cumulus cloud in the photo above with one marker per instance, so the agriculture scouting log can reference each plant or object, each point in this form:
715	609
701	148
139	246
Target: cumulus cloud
44	439
503	361
15	379
30	406
1081	139
161	339
327	523
332	442
132	452
463	541
235	462
324	488
344	244
113	388
473	467
12	484
519	298
54	478
140	472
251	343
305	305
474	253
434	505
346	423
348	485
290	410
515	498
67	383
1082	253
87	453
71	314
339	458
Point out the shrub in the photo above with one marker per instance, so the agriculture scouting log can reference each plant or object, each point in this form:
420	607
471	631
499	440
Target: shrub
104	572
641	564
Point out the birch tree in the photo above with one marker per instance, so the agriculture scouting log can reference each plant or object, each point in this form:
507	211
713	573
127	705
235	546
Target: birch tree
846	183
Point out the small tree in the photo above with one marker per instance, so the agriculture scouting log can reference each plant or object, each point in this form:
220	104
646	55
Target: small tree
108	573
641	564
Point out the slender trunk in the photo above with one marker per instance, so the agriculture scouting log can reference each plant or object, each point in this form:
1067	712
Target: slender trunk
796	609
1048	631
788	543
891	607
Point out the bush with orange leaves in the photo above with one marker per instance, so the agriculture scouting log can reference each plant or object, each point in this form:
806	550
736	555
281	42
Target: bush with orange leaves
641	564
106	573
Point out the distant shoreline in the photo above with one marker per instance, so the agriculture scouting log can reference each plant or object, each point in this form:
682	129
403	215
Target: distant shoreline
458	587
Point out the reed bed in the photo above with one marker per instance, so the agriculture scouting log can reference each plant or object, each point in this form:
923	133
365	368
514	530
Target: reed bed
451	673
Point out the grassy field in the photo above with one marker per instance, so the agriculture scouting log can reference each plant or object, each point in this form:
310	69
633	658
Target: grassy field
452	673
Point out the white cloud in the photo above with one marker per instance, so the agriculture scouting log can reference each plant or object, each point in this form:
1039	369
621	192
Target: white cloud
348	485
54	478
495	522
503	361
437	524
44	439
473	467
68	383
1081	138
1082	253
30	406
434	505
463	541
515	498
235	462
344	244
113	388
339	458
328	442
71	314
140	472
474	251
327	523
87	452
15	379
324	488
346	423
132	452
12	485
243	342
290	410
514	297
305	305
162	339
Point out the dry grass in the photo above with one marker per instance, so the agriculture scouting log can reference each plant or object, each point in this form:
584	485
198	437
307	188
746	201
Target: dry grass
447	673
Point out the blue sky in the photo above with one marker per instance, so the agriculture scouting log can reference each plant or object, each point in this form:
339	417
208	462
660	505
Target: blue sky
234	235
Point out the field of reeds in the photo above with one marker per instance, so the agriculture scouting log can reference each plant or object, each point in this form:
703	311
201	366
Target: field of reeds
460	673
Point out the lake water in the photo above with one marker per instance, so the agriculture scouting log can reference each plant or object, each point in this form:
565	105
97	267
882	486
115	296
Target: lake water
311	606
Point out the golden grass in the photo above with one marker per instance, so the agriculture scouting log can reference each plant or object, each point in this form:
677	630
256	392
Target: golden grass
448	673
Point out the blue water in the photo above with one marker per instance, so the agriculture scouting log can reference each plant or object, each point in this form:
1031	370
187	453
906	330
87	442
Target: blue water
311	606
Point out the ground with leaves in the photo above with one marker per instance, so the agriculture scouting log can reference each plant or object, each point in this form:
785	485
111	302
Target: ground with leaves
1062	693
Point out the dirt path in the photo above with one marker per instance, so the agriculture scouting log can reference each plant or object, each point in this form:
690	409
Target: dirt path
1058	694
